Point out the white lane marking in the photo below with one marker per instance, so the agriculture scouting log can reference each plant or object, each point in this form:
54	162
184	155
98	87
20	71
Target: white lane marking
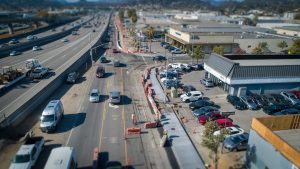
64	56
113	140
152	144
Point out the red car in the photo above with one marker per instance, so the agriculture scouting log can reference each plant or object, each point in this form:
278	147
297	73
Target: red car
224	123
210	116
114	50
297	93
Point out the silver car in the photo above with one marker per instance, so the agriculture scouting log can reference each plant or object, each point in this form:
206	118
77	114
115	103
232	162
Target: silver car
207	82
115	97
249	102
290	97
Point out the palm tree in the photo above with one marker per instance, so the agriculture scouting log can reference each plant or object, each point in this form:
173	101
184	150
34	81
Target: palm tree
211	141
150	34
197	54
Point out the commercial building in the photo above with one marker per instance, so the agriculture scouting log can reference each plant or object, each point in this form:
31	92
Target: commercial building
206	34
289	30
274	143
241	74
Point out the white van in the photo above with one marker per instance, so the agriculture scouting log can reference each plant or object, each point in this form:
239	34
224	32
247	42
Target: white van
115	97
61	158
51	116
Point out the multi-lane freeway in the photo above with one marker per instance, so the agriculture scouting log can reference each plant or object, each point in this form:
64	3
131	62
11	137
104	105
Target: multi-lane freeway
89	125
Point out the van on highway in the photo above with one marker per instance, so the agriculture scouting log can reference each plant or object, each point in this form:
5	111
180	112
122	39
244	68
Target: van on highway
100	71
51	116
61	158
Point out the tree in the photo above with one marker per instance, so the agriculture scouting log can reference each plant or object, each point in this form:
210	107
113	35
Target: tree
212	142
134	19
282	44
263	45
219	50
150	34
261	48
295	49
198	53
257	50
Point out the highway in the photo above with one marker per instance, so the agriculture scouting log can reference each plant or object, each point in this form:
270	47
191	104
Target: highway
52	56
88	125
57	29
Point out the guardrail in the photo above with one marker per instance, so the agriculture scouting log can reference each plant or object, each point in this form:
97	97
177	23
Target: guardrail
14	113
41	41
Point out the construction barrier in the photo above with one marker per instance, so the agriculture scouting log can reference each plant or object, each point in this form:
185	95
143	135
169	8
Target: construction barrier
133	130
152	124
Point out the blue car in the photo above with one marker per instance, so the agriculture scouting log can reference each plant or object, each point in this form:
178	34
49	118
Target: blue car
238	142
203	110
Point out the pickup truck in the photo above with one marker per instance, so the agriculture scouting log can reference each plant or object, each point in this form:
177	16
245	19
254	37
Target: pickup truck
28	153
39	72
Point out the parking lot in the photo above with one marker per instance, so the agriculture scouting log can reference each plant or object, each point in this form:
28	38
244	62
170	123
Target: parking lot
242	118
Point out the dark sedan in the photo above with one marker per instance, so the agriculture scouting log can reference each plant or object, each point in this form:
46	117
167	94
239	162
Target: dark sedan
238	142
159	58
273	109
200	103
236	102
287	111
204	110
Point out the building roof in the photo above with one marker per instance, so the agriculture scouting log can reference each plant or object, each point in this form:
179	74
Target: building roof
208	27
258	72
221	64
290	28
282	132
292	137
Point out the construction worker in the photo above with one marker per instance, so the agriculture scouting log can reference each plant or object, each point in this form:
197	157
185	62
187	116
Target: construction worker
133	118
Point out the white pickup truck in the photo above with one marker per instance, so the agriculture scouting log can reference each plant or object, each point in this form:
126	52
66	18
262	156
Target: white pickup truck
28	153
39	72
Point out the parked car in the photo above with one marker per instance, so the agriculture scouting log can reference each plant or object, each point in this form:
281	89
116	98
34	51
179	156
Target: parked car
191	96
167	78
233	131
4	45
94	95
36	48
296	106
14	53
159	58
114	97
168	83
28	153
170	48
212	116
269	99
207	82
188	88
290	97
51	116
200	103
249	102
236	102
272	109
197	66
259	100
288	111
162	44
203	110
13	41
224	123
281	100
72	77
176	51
238	142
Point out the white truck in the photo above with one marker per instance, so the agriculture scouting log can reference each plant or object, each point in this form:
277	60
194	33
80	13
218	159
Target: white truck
39	72
28	153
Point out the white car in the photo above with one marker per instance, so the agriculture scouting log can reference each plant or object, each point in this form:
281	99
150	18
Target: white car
176	51
233	131
290	97
14	53
191	96
36	48
165	78
65	40
94	96
181	66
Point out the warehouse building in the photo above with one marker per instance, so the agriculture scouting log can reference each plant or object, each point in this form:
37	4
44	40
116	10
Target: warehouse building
241	74
206	34
274	143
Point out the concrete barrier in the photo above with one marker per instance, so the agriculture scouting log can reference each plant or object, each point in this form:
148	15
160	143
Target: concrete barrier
31	99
